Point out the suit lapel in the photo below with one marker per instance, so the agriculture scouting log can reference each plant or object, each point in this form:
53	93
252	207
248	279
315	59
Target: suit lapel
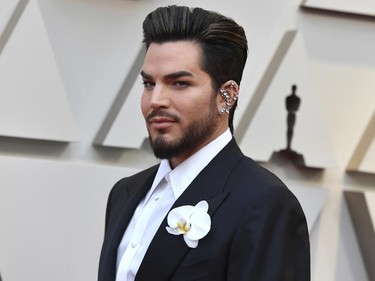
166	251
113	238
129	209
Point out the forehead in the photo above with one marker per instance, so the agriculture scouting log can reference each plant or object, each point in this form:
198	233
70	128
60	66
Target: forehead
172	56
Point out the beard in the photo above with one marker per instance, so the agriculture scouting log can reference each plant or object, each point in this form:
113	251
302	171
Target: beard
192	136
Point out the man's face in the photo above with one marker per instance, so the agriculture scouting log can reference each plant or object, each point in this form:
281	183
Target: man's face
178	102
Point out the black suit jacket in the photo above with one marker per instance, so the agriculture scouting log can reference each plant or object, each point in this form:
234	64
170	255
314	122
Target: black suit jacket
258	229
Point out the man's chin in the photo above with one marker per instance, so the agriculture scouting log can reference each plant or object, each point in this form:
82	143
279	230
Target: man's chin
163	138
164	152
164	148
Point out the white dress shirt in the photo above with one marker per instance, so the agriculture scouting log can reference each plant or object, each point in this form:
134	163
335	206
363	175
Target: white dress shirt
168	185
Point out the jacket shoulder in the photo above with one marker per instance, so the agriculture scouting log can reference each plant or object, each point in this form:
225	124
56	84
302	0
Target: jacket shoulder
257	183
131	183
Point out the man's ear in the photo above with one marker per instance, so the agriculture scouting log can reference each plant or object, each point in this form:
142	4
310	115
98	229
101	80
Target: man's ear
228	96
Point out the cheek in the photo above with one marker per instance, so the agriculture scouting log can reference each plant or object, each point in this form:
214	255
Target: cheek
145	105
195	111
188	110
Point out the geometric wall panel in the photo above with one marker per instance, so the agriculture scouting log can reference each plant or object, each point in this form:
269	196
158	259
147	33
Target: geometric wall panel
10	11
267	132
363	158
52	218
312	201
361	208
33	99
361	7
124	125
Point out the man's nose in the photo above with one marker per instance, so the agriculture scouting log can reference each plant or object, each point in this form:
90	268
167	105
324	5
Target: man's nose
159	97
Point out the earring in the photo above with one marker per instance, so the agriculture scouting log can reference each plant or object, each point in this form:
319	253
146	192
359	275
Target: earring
222	110
228	103
235	95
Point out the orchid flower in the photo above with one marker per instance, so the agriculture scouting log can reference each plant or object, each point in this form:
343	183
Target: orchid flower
193	222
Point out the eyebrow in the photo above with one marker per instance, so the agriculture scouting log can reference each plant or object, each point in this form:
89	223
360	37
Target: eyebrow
173	75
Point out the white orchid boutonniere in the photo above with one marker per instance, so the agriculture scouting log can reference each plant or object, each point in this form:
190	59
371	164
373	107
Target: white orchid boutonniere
191	221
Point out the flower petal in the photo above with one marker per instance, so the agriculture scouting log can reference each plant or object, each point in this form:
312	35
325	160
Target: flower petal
190	242
200	225
172	230
202	205
175	215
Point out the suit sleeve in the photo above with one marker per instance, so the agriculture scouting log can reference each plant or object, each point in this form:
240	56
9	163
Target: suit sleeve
108	210
272	240
113	194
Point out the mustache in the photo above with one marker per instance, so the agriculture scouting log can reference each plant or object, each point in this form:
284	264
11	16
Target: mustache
162	113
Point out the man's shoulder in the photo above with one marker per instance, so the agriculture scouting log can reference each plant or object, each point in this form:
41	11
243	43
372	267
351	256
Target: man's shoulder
255	181
143	174
247	167
258	195
136	179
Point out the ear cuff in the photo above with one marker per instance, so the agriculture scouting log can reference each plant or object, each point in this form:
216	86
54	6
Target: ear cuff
235	95
227	100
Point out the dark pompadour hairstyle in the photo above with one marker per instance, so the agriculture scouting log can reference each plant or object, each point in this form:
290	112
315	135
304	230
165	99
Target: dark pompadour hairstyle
222	40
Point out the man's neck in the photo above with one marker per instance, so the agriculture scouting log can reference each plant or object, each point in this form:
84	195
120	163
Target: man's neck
175	161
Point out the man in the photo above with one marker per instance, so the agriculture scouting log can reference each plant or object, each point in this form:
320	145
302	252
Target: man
255	228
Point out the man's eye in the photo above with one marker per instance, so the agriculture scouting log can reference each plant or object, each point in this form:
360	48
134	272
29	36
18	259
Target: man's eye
181	84
148	84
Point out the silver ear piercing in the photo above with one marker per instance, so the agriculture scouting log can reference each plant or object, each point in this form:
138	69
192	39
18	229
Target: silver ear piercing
235	96
228	103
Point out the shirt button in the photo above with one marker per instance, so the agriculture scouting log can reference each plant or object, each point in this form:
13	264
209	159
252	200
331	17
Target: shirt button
134	244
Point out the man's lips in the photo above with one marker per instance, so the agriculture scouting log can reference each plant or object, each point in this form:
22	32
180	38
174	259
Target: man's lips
161	122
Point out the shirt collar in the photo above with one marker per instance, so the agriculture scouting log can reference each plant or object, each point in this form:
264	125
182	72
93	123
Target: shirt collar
163	170
180	177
